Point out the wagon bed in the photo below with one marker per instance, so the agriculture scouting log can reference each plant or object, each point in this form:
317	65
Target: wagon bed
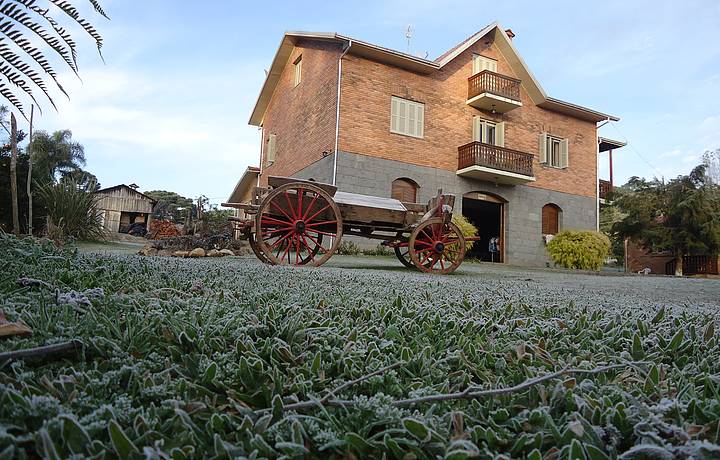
300	222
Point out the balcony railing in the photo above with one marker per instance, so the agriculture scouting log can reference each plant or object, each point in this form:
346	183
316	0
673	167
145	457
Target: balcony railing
605	188
494	157
493	83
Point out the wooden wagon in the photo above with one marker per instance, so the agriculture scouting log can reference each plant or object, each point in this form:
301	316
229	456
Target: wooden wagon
298	222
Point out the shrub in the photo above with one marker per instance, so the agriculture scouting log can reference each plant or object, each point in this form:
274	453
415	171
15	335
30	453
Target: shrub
348	248
71	212
466	228
583	250
379	250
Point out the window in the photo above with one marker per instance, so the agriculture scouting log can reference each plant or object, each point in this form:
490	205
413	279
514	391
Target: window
271	149
298	70
404	190
407	117
551	214
481	63
488	132
553	151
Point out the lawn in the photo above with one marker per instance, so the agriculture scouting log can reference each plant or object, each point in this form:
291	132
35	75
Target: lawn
229	358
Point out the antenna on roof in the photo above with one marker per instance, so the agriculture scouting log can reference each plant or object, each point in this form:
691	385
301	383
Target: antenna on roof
408	35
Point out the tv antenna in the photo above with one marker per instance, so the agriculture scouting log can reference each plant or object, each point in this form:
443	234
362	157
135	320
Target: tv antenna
408	35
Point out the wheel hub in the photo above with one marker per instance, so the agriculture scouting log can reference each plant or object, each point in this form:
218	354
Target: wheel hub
300	227
439	247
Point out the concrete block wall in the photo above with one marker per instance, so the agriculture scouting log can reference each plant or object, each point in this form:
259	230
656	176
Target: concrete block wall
524	243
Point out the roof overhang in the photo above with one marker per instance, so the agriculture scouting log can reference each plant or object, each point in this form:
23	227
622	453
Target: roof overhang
247	180
606	144
127	187
422	66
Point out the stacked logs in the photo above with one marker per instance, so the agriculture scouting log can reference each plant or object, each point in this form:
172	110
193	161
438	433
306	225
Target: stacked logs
161	229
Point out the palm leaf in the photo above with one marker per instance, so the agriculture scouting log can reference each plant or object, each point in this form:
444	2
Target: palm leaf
19	56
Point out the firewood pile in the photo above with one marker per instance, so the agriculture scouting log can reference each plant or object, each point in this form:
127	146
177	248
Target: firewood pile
161	229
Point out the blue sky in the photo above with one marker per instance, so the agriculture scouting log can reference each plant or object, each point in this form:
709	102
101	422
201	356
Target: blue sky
169	107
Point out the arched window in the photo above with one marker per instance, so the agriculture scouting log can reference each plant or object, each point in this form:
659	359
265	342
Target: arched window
551	215
405	190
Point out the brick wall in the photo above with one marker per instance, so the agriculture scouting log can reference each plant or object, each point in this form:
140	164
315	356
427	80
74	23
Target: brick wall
638	258
303	117
365	120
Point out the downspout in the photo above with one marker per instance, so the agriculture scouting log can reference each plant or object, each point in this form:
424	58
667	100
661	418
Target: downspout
262	151
337	112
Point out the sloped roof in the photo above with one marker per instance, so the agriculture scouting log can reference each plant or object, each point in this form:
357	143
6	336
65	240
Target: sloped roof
116	187
420	65
246	181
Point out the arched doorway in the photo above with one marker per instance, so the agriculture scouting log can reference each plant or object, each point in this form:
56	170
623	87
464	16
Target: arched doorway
487	212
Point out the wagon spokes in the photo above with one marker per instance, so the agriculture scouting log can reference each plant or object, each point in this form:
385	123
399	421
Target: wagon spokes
436	246
292	222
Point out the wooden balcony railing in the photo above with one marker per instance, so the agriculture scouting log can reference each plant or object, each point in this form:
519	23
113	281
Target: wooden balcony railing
494	83
492	156
605	188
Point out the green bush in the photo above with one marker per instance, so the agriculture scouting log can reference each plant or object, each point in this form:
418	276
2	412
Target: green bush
466	228
582	250
348	248
71	212
379	250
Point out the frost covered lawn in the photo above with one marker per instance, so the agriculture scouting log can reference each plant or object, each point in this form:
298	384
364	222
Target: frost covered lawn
210	358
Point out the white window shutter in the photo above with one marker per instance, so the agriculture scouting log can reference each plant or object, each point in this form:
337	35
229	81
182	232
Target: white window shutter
271	149
564	153
477	129
476	64
394	115
500	134
543	147
421	120
412	118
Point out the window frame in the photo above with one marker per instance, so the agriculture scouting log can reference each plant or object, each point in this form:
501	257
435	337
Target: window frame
409	182
297	67
397	119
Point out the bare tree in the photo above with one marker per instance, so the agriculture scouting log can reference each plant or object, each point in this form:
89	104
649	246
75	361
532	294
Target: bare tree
712	160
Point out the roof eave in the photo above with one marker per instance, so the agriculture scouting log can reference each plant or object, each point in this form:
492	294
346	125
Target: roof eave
576	110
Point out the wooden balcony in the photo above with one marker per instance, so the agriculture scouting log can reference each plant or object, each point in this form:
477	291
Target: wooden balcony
493	91
495	164
605	189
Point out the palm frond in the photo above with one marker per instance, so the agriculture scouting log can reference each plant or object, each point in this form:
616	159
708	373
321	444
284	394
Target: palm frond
17	62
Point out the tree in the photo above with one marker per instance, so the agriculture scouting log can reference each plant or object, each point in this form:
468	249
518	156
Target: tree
56	156
712	160
171	206
83	180
27	67
682	215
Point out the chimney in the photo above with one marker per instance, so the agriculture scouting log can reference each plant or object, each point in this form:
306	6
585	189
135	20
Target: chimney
510	33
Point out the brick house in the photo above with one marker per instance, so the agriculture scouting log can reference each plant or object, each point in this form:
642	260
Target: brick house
474	122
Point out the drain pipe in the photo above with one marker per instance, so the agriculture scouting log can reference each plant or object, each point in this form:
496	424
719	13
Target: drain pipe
337	112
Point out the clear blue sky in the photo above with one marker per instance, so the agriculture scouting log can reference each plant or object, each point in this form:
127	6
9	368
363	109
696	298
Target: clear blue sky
169	108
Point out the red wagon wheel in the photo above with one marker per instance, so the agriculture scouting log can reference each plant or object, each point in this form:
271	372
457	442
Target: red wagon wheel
437	247
292	223
256	249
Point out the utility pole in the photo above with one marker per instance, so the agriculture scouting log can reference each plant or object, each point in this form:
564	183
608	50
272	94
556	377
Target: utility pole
29	176
13	174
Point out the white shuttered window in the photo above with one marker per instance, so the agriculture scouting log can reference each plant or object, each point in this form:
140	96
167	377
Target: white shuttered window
271	149
481	63
554	151
488	132
407	117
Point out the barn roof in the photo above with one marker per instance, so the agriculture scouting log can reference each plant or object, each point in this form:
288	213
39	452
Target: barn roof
120	186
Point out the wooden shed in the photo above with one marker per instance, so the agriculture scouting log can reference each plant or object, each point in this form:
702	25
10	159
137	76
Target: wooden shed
122	206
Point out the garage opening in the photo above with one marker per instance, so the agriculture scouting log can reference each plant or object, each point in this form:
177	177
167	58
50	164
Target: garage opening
486	212
134	223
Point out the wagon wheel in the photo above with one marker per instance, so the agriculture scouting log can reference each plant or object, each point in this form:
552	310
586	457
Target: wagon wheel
437	247
256	249
291	223
403	253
